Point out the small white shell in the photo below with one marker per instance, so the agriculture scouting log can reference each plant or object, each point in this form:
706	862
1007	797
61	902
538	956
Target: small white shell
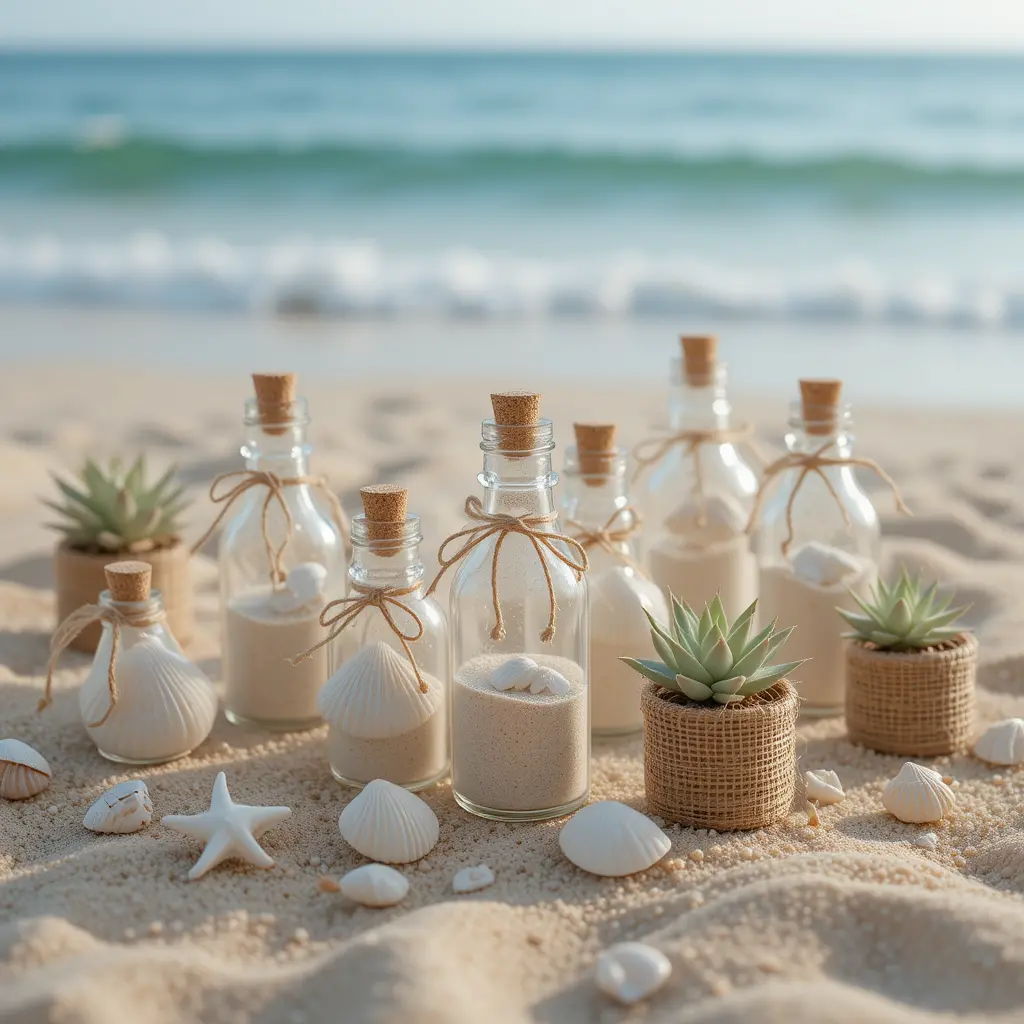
375	885
550	680
823	787
927	841
631	971
715	520
388	823
306	582
124	808
917	795
609	838
473	879
1002	742
515	674
23	770
823	565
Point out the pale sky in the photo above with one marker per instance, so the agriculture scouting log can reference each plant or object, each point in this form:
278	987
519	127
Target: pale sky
794	24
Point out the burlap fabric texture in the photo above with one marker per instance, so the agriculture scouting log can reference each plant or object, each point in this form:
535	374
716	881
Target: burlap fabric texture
914	704
724	766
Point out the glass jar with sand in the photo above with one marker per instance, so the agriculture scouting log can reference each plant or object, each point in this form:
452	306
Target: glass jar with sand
387	702
520	632
599	516
699	493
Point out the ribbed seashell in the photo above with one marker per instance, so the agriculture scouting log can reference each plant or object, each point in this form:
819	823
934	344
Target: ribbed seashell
1002	742
388	823
609	838
514	674
375	885
822	786
548	679
23	770
631	971
472	879
166	706
918	795
124	808
375	695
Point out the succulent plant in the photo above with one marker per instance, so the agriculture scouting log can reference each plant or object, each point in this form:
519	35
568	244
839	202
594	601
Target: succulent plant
707	658
116	511
903	617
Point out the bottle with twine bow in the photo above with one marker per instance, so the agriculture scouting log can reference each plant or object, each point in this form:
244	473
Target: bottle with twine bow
387	702
143	701
598	514
697	490
520	631
282	557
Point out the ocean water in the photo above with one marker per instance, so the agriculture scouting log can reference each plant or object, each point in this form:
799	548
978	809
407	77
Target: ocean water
796	190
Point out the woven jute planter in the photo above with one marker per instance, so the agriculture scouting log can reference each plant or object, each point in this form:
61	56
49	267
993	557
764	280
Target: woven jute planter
915	704
725	767
79	577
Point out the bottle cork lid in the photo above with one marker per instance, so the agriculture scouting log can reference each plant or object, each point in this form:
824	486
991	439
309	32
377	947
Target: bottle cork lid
385	507
700	358
275	393
515	412
129	581
595	450
819	400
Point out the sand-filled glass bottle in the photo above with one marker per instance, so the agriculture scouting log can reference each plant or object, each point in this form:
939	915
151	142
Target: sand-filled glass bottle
598	514
520	632
699	491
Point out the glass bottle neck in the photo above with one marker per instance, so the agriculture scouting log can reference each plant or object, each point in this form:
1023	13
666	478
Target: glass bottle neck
838	442
698	408
286	454
400	570
593	503
518	485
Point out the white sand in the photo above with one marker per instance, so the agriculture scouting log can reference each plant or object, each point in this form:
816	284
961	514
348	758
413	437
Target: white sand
413	759
846	923
697	575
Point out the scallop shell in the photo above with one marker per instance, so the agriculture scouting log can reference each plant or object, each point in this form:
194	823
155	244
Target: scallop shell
166	706
917	795
609	838
375	695
375	885
1002	742
514	674
124	808
823	787
631	971
23	770
472	879
550	680
388	823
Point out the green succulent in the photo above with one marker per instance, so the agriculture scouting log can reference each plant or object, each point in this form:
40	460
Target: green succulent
903	617
116	511
708	659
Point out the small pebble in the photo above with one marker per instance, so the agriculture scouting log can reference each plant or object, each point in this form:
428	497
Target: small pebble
300	936
156	928
697	855
52	809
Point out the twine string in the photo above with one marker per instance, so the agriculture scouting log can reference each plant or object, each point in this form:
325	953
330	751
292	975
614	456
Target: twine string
610	535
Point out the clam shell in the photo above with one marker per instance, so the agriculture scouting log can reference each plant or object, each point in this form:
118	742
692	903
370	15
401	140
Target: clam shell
1002	742
23	770
823	786
388	823
918	795
166	706
375	885
631	971
472	879
550	680
124	808
609	838
375	695
514	674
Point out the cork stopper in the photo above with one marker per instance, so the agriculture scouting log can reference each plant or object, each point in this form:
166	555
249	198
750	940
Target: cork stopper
129	581
386	509
275	393
595	450
700	358
819	400
515	413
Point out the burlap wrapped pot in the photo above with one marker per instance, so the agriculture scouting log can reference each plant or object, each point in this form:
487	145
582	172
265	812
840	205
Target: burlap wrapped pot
916	704
724	766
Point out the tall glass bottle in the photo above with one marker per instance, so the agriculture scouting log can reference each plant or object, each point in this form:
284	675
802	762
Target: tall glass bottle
597	513
697	498
277	571
520	702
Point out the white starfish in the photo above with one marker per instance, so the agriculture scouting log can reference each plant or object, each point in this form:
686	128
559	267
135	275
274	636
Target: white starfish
227	829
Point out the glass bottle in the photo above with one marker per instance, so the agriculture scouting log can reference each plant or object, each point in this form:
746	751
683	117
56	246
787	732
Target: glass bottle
697	499
270	616
519	754
388	713
834	546
597	512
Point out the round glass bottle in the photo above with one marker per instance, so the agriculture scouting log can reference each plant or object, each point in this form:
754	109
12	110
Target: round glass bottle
598	514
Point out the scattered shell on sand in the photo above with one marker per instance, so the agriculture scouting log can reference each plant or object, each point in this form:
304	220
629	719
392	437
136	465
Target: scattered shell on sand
927	841
388	823
918	795
124	808
608	838
822	787
631	971
375	885
550	680
23	770
514	674
473	879
1002	742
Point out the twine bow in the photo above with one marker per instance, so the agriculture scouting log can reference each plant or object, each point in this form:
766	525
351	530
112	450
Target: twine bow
372	597
79	620
608	536
816	462
500	524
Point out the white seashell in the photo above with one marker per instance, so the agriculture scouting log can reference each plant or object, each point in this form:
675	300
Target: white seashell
124	808
375	885
23	770
166	706
927	841
823	787
1002	742
823	565
473	879
716	520
631	971
514	674
306	582
917	795
376	695
550	680
388	823
609	838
